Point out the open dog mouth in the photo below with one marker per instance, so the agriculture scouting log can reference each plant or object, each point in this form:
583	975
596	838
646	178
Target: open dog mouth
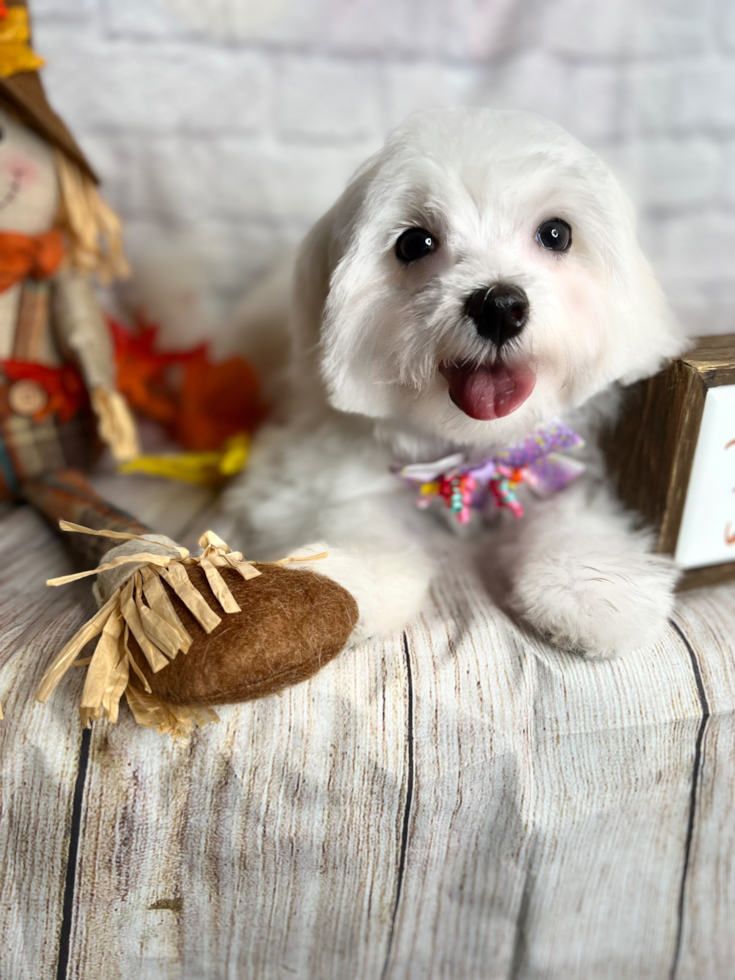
488	391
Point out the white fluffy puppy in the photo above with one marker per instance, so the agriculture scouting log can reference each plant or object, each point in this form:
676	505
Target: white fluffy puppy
480	276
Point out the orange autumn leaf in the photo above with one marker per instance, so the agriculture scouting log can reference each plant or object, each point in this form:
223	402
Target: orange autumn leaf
201	404
217	402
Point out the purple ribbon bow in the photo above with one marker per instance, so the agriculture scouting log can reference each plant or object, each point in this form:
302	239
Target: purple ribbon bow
490	483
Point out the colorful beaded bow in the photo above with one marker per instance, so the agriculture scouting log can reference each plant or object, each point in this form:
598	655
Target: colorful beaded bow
490	483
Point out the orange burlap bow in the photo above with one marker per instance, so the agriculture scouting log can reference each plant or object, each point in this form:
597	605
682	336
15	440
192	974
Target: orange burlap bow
22	256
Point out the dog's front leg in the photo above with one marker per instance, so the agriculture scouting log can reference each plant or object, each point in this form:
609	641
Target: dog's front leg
583	576
374	556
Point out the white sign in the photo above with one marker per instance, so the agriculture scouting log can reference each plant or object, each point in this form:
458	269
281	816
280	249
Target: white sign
707	533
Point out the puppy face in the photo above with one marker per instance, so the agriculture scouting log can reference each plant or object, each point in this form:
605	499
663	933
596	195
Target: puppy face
480	275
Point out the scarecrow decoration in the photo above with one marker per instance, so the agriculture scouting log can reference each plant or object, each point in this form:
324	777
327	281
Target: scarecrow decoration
175	633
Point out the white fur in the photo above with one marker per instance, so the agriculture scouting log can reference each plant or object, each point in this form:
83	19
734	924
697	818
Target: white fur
585	578
369	333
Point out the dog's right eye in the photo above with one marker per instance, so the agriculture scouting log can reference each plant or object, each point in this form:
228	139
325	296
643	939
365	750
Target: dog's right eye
416	243
555	234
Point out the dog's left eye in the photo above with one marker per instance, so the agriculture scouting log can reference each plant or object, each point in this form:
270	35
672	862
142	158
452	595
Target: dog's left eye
415	244
555	234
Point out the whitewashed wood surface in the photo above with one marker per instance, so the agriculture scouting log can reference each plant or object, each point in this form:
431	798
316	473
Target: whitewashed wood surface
459	802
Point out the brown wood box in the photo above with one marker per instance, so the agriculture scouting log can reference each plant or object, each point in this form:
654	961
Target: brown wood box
651	449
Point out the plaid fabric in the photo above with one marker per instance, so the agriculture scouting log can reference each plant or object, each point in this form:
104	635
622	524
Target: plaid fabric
29	449
68	496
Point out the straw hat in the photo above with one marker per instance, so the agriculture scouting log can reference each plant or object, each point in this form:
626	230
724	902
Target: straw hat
20	84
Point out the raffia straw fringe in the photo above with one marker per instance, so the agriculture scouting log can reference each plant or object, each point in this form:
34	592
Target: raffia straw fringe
92	227
142	607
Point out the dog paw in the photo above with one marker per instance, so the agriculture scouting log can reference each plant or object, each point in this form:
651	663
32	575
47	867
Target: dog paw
388	587
598	606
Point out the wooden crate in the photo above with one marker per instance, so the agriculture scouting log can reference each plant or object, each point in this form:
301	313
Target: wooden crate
651	451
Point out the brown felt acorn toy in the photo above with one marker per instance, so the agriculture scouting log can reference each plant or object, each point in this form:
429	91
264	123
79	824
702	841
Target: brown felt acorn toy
175	633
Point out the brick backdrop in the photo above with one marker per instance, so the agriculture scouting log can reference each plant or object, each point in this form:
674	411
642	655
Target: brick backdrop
228	126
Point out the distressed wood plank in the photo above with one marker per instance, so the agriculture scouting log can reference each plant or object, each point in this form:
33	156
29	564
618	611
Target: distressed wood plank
545	801
266	846
546	835
707	940
613	758
551	802
707	619
39	745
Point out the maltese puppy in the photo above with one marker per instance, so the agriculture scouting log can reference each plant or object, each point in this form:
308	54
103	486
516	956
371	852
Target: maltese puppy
478	280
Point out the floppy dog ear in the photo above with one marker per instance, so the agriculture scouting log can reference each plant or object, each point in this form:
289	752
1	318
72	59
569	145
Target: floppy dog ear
311	287
656	331
334	304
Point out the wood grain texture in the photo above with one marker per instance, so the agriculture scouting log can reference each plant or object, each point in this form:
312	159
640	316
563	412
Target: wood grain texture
710	364
707	619
707	940
463	802
39	745
264	847
685	418
551	802
650	449
698	578
283	828
714	356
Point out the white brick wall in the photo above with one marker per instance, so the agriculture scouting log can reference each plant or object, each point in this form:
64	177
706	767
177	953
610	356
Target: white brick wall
230	125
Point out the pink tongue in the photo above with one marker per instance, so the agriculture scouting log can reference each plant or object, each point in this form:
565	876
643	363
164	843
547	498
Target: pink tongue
490	391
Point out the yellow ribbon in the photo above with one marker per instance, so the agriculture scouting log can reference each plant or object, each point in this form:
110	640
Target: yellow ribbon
207	469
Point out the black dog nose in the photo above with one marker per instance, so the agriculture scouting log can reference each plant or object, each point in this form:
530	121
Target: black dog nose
499	312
